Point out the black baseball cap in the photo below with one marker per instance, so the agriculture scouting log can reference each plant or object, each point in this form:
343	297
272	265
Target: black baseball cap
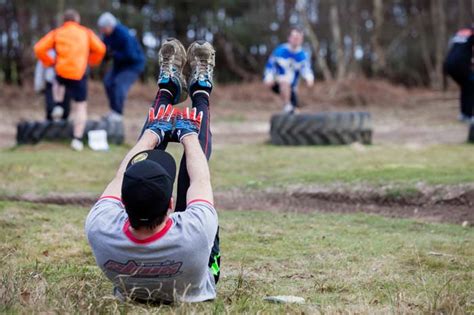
147	186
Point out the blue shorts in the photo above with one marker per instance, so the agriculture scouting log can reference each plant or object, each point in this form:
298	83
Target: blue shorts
76	89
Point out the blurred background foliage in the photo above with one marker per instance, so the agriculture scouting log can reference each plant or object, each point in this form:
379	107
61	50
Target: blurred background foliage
402	40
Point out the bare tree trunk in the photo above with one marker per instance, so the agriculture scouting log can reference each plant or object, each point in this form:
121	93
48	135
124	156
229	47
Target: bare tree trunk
424	48
8	62
354	64
59	14
379	63
3	32
341	68
232	63
438	18
472	8
24	60
462	14
314	40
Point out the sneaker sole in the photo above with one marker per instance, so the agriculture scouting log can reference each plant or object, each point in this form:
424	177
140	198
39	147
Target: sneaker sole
173	47
200	50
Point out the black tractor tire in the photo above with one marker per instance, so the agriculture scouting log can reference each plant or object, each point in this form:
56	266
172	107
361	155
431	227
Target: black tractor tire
328	128
37	134
116	130
31	132
28	131
64	130
20	132
52	131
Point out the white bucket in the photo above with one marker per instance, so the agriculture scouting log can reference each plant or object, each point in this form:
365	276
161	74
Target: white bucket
98	140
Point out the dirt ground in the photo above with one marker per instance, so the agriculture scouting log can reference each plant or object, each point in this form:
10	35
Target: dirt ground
451	204
241	113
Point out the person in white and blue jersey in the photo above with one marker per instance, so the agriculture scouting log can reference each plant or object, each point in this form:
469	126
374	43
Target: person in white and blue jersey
287	63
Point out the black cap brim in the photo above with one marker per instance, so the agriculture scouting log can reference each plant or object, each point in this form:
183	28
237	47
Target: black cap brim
161	157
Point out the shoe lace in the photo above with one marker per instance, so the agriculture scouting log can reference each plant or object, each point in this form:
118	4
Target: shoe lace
203	70
166	66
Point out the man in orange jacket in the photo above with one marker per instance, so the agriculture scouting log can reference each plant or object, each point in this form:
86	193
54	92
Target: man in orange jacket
76	47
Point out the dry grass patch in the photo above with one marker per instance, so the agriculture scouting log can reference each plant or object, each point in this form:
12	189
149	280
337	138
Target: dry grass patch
352	263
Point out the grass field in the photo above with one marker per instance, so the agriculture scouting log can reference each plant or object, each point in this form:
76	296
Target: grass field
50	168
354	263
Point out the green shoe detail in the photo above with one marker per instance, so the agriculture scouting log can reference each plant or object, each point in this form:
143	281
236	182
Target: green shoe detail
215	268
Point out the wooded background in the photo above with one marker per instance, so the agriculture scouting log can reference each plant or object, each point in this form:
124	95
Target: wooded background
404	41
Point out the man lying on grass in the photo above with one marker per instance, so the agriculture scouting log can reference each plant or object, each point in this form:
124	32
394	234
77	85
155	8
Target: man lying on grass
149	253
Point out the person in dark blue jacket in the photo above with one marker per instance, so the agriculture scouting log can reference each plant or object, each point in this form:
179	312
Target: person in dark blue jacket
459	66
128	62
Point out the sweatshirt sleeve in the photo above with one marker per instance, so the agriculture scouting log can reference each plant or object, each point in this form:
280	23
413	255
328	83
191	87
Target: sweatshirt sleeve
306	71
97	49
42	47
269	74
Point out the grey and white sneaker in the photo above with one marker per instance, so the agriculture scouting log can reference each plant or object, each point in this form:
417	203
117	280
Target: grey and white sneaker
288	109
113	116
172	58
202	59
464	118
77	145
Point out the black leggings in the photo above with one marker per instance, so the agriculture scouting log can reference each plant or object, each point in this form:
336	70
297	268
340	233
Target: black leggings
466	98
458	67
201	102
50	104
293	97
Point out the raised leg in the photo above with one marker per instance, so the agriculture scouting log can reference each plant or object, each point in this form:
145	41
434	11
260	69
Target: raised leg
200	100
172	58
201	57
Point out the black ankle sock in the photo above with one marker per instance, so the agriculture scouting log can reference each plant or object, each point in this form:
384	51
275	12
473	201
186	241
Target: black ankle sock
78	138
200	98
163	98
170	86
195	87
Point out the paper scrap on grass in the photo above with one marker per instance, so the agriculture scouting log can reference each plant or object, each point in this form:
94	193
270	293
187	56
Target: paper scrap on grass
284	299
